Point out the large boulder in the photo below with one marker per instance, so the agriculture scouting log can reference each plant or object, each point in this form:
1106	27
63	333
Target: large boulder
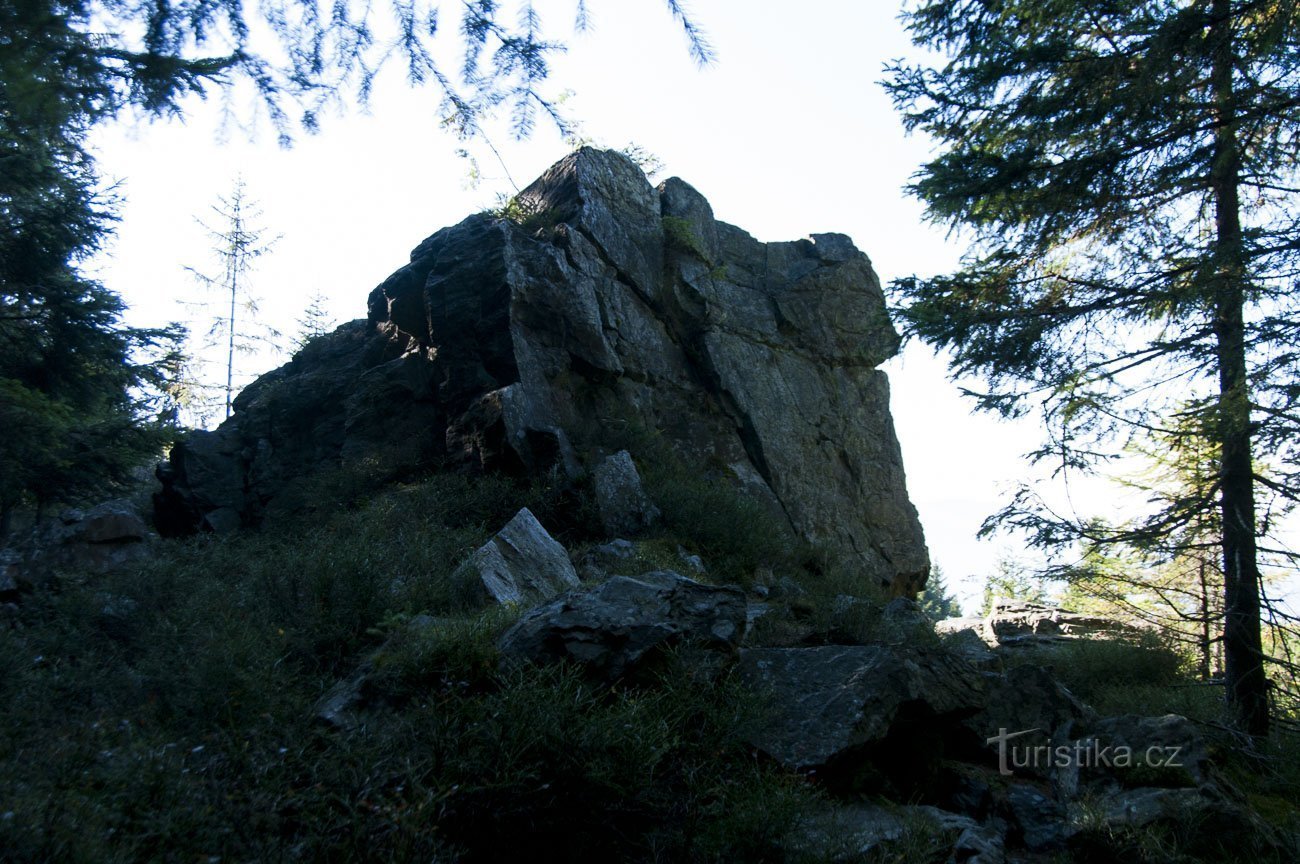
1027	708
525	346
1133	750
830	708
1039	819
625	508
618	625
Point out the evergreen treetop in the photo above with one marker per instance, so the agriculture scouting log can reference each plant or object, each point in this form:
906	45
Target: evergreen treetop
1127	171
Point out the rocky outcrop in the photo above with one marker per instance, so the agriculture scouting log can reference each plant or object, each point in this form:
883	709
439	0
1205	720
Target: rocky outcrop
1014	624
615	627
78	543
522	346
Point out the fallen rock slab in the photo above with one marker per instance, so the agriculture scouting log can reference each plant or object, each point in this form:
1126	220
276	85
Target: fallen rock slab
612	628
521	564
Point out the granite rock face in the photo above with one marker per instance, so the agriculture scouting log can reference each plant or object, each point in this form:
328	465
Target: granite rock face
520	345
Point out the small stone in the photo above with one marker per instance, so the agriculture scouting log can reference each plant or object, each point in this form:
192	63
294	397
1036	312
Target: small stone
694	563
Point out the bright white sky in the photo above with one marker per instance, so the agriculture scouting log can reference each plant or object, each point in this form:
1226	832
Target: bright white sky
788	134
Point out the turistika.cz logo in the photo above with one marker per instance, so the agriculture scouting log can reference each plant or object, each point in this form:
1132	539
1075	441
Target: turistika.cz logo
1085	753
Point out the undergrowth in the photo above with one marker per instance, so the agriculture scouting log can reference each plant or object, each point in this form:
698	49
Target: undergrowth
166	712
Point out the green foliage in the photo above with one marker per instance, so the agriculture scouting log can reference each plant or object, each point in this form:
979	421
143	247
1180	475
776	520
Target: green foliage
1269	773
679	234
445	656
648	162
1140	675
1127	175
315	321
734	533
166	713
529	213
1012	581
705	511
936	601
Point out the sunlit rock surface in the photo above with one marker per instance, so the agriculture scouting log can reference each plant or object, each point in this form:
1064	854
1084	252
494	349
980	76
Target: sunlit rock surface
519	344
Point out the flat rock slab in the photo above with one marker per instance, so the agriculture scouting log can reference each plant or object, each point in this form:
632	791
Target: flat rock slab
611	628
831	699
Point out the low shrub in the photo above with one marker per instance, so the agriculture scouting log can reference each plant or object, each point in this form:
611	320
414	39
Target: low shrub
166	713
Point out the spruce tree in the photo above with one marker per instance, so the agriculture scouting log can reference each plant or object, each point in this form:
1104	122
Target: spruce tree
81	395
1127	171
936	601
315	321
238	241
1013	580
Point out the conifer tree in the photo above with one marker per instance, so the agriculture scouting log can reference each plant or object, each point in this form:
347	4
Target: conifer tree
936	600
315	320
1012	580
1173	580
1127	171
81	394
238	242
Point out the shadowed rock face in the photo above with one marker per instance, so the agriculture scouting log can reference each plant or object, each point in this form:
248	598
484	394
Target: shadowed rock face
514	345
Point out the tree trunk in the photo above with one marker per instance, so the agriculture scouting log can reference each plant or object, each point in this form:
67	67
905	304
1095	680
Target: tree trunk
230	354
1205	670
1247	685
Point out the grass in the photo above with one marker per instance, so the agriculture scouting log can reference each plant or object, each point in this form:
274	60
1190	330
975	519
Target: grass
165	712
1127	676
